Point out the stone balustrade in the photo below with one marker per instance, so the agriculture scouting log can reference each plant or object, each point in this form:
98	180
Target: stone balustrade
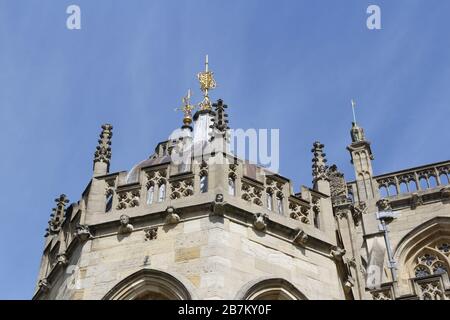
415	179
158	184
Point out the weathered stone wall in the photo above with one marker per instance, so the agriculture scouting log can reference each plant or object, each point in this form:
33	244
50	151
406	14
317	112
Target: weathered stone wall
216	255
408	219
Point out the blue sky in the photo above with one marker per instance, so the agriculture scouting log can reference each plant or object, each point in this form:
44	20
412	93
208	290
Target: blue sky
292	65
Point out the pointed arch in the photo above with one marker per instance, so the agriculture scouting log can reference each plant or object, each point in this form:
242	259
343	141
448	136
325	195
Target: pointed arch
152	284
420	251
269	289
109	197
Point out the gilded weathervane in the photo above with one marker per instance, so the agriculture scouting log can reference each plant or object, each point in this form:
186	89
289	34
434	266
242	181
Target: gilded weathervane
207	83
187	109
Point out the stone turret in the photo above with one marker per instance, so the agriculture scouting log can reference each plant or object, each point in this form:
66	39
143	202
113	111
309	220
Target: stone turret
97	192
321	183
319	169
362	157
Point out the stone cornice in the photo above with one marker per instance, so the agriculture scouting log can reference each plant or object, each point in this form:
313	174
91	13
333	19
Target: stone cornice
277	225
318	193
406	200
252	181
278	178
128	187
181	176
299	201
157	166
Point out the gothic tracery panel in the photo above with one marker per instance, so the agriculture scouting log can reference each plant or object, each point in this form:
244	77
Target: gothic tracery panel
251	193
431	290
182	188
156	185
128	199
299	212
382	295
432	259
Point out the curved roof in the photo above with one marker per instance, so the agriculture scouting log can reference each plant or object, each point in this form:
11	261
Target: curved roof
133	174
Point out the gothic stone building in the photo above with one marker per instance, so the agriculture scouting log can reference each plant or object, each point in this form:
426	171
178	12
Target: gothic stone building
219	227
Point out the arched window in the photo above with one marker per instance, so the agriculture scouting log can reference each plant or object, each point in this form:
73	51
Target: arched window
270	289
231	186
412	186
204	183
392	190
150	194
444	179
433	181
422	256
423	183
162	191
109	200
383	192
150	284
280	203
269	199
403	187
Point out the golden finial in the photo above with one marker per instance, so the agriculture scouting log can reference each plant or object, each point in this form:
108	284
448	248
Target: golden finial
187	109
207	83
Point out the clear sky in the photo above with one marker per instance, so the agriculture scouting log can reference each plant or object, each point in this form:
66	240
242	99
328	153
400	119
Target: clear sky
292	65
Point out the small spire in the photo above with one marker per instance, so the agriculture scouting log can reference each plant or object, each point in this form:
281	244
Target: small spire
103	150
207	82
221	117
319	167
187	109
220	127
357	133
57	216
